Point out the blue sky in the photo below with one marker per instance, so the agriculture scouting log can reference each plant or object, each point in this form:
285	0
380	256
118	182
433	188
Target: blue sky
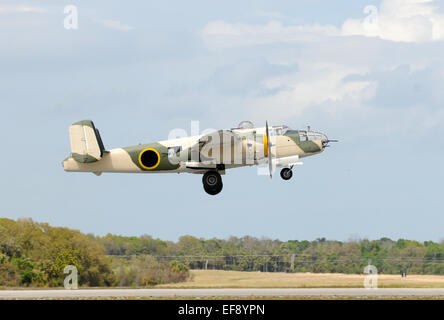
141	69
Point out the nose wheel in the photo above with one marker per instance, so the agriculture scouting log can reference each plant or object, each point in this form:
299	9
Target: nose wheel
212	182
286	173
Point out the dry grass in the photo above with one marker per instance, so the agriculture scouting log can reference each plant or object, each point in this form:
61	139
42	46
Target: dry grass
239	279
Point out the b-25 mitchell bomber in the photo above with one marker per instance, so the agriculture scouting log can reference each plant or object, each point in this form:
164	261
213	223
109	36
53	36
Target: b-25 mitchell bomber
207	154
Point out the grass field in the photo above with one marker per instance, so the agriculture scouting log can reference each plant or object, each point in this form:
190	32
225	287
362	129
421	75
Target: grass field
239	279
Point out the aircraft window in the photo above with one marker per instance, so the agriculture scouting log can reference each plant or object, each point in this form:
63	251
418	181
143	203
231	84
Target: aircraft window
246	125
310	135
315	136
174	150
276	131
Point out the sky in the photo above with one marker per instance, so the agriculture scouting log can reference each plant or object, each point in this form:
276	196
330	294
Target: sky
368	73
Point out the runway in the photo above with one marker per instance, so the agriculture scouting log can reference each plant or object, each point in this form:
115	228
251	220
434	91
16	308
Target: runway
222	293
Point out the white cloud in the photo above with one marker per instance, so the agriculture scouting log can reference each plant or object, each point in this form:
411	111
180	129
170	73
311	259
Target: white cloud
116	25
399	20
314	85
21	9
363	84
395	20
224	34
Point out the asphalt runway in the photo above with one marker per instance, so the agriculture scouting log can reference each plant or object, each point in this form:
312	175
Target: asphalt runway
244	293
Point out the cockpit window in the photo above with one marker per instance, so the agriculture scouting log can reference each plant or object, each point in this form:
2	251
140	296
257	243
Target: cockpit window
280	130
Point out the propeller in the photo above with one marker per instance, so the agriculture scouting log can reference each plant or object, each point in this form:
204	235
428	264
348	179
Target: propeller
270	163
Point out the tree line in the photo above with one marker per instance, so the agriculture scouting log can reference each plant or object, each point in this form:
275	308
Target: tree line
35	254
254	254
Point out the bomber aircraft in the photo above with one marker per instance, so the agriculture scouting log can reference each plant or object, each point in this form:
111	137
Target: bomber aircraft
208	154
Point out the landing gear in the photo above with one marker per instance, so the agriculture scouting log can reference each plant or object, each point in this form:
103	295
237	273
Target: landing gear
212	182
286	174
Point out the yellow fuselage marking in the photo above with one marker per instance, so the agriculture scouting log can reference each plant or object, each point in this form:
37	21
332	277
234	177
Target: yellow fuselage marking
140	159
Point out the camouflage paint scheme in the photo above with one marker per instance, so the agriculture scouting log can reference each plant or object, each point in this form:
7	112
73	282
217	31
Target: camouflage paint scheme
285	144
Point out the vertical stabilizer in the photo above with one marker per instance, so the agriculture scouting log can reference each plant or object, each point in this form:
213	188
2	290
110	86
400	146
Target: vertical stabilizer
86	143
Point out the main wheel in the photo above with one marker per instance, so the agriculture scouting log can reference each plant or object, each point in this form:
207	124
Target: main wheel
286	174
215	190
212	182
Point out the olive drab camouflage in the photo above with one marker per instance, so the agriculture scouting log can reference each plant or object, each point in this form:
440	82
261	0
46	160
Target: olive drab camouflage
210	154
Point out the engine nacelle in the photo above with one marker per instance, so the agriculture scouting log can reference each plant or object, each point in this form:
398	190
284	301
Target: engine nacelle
286	161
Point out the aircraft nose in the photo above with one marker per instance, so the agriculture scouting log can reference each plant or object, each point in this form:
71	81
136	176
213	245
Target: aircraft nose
326	141
324	137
